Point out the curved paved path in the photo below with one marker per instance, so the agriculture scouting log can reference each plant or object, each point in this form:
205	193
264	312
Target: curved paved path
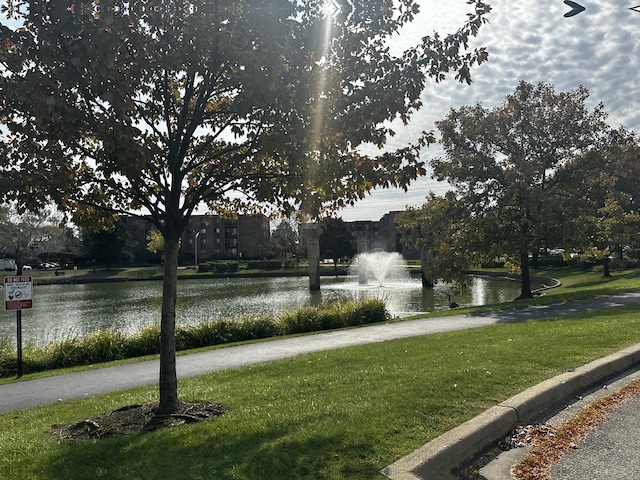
29	393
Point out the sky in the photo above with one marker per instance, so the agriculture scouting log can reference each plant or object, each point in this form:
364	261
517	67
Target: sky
532	41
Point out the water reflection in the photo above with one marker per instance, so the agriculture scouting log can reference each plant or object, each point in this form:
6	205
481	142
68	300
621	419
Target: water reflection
65	311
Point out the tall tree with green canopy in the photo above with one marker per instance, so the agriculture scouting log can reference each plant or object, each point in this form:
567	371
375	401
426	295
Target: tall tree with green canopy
157	106
441	229
107	246
284	241
27	235
611	219
623	162
522	167
336	241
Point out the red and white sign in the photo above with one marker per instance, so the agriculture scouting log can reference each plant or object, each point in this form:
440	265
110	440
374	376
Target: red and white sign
18	293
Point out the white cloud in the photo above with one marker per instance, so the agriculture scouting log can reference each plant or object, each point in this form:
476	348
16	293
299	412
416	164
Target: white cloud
530	41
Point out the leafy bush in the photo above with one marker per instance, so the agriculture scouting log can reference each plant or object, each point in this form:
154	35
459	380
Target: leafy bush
580	264
233	267
330	316
8	361
107	345
226	267
290	263
495	263
555	261
144	342
301	320
219	267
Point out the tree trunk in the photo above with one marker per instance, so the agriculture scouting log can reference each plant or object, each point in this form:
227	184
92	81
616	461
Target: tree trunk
426	262
534	259
525	289
168	378
606	266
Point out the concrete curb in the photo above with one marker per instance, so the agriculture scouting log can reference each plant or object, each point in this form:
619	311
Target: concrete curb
438	459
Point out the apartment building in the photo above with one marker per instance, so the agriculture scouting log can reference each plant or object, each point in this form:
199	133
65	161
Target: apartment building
211	236
206	237
382	234
214	237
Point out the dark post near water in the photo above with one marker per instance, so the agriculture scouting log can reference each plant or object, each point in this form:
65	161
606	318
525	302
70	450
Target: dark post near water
19	343
312	232
18	296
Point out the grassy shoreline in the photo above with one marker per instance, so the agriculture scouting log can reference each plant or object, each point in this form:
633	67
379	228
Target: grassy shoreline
110	345
133	274
340	414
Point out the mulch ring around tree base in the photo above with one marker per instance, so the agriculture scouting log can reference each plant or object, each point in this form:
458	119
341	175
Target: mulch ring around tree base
136	419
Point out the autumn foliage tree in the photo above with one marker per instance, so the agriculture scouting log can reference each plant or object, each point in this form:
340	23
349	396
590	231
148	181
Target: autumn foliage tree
27	235
156	106
523	170
612	217
441	230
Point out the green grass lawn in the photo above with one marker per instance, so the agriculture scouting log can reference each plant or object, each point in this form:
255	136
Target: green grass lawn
342	414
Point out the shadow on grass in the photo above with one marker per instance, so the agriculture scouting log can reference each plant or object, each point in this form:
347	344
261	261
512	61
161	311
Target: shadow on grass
604	282
593	279
553	310
202	452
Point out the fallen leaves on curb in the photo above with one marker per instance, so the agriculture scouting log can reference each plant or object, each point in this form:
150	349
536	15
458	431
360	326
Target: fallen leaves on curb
548	444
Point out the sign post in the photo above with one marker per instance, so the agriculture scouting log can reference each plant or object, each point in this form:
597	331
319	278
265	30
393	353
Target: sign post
18	295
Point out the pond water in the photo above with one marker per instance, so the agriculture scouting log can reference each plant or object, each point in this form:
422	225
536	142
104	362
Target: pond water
65	311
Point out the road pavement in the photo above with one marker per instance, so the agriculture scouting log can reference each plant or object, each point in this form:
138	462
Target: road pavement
610	451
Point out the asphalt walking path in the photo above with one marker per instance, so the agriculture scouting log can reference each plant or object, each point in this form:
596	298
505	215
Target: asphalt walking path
30	393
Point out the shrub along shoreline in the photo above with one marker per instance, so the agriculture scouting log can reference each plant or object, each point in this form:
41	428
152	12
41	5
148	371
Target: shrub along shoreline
109	345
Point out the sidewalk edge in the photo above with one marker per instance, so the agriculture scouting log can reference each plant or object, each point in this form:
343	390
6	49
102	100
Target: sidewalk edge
438	459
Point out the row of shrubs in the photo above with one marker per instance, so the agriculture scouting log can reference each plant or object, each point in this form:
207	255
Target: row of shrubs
219	267
106	346
577	263
234	266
